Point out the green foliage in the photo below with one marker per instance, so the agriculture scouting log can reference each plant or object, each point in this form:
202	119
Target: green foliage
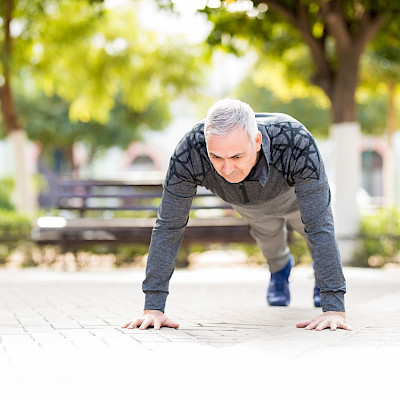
308	110
15	230
93	60
124	253
46	118
372	114
380	238
6	188
299	249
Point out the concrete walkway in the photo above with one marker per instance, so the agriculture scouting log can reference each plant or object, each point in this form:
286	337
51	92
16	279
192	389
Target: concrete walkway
60	337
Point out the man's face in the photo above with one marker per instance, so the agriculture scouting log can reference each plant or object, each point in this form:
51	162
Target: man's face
233	155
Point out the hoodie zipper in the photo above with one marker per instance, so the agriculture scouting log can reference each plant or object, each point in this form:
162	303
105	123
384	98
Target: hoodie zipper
243	189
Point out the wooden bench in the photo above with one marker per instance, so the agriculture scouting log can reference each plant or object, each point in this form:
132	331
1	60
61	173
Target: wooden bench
90	213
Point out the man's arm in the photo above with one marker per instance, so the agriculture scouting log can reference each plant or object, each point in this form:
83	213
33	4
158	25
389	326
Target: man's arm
315	206
173	214
165	242
314	198
317	216
295	153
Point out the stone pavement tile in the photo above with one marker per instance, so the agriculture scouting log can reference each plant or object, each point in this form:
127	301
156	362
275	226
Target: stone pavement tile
59	317
175	334
19	339
45	327
76	334
183	340
17	354
11	330
105	332
202	333
149	338
32	320
93	324
116	321
5	313
125	342
89	346
59	350
65	325
9	321
48	337
236	333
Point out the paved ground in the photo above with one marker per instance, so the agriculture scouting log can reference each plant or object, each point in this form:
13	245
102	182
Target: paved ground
60	337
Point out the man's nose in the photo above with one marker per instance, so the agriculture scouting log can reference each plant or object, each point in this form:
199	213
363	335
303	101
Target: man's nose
228	167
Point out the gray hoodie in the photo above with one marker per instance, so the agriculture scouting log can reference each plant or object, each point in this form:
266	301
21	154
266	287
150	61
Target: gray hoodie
289	175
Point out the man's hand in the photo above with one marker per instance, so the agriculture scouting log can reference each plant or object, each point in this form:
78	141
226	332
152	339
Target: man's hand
329	319
151	318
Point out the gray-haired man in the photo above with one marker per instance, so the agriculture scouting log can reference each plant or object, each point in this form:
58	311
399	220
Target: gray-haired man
269	168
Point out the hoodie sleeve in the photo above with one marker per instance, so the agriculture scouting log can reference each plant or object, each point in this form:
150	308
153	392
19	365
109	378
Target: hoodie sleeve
173	215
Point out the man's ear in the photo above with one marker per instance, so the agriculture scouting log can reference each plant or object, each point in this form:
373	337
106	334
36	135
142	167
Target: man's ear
258	141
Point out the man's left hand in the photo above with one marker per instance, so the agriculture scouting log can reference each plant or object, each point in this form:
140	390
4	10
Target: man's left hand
329	319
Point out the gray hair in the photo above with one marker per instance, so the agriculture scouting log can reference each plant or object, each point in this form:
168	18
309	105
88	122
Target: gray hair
228	114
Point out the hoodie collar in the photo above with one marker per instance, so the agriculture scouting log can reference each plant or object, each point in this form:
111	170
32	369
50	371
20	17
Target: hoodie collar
260	172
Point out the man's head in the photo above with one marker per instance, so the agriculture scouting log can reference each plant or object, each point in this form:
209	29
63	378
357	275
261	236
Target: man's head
232	137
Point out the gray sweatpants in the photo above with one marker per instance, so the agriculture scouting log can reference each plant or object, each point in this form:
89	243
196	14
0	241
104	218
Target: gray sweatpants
270	233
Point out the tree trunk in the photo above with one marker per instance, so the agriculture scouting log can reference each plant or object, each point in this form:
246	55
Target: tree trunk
347	182
343	90
23	197
346	134
24	201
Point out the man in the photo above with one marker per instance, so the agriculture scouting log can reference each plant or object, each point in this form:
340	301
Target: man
269	168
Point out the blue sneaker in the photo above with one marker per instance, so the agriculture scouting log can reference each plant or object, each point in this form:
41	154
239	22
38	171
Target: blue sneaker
278	293
316	297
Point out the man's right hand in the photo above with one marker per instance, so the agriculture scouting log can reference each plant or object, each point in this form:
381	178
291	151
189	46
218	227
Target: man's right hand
154	318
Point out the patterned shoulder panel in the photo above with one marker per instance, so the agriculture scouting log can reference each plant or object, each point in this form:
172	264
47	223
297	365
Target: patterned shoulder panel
294	152
189	162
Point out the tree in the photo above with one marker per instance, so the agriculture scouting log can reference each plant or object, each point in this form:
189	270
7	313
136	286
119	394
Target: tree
16	42
336	33
95	58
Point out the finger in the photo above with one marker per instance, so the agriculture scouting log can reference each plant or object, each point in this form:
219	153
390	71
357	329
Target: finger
303	324
171	324
343	325
312	325
322	325
135	323
146	323
132	324
333	326
157	324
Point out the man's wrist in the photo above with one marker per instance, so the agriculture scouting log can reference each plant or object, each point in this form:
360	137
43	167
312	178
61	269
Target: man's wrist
154	312
341	313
